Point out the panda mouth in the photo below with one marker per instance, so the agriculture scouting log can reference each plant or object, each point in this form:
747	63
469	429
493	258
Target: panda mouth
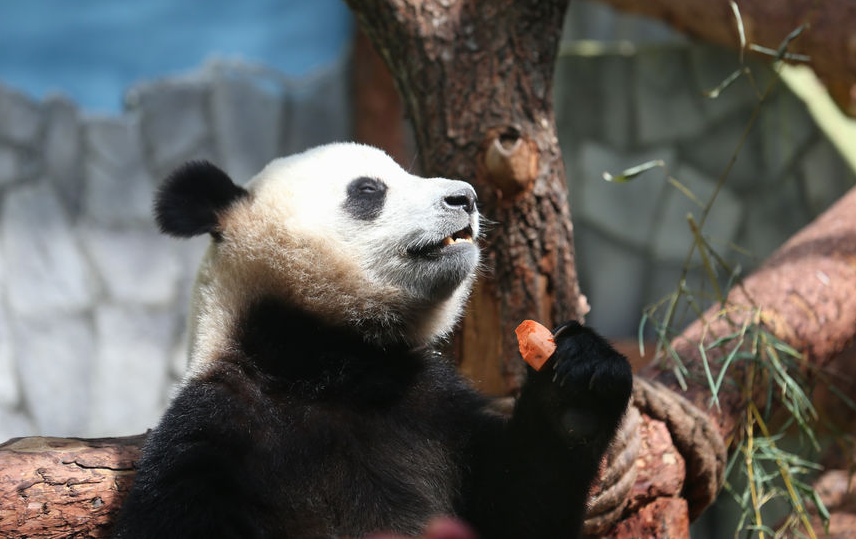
461	236
431	250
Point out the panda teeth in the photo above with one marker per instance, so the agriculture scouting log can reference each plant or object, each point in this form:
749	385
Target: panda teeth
464	235
449	240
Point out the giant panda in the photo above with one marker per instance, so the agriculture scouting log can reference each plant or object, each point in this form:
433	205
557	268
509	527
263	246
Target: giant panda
316	404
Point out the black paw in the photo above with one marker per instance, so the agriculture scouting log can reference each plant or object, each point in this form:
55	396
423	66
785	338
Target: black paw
587	372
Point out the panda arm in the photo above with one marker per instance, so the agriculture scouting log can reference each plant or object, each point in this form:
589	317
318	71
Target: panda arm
196	477
531	474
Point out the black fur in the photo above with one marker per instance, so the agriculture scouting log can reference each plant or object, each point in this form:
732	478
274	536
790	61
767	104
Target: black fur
190	199
305	431
366	197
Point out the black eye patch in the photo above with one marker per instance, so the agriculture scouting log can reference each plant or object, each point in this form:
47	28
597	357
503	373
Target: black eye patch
365	198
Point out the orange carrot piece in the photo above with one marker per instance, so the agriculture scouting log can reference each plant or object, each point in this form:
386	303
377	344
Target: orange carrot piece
536	343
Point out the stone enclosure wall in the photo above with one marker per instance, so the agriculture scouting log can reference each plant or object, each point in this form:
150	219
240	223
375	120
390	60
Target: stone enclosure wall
92	297
629	90
93	300
632	238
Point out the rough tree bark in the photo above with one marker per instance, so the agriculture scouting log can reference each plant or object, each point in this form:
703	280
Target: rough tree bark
829	41
476	78
62	487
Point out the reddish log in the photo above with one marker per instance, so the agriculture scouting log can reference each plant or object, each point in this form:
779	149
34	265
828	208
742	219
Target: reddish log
59	487
662	518
841	526
661	468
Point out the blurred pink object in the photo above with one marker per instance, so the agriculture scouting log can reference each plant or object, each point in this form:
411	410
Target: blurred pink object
439	528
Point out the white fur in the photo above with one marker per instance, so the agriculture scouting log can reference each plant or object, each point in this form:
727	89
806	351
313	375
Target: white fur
292	238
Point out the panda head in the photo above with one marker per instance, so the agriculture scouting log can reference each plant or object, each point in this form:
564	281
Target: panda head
340	232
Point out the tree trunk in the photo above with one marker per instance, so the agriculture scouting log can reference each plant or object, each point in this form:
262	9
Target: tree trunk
476	78
829	41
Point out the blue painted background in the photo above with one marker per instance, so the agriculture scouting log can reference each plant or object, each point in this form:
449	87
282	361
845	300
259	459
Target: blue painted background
93	50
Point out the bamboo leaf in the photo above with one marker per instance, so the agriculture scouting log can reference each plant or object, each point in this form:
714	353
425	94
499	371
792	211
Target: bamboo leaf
632	172
714	399
844	398
641	334
820	506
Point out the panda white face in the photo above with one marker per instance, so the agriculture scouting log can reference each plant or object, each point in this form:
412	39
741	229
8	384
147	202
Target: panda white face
414	234
340	231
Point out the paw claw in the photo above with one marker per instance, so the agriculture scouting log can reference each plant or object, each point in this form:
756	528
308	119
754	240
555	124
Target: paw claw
566	326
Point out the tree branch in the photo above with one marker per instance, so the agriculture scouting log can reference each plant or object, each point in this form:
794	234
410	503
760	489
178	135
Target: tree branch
829	40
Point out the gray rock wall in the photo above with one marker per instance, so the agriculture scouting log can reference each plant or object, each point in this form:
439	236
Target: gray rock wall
636	94
92	298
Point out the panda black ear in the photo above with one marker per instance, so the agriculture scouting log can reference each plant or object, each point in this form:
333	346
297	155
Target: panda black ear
190	199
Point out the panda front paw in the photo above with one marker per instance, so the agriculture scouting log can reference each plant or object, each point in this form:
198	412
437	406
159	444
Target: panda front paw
590	378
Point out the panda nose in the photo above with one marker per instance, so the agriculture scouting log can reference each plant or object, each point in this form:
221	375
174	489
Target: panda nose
464	199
